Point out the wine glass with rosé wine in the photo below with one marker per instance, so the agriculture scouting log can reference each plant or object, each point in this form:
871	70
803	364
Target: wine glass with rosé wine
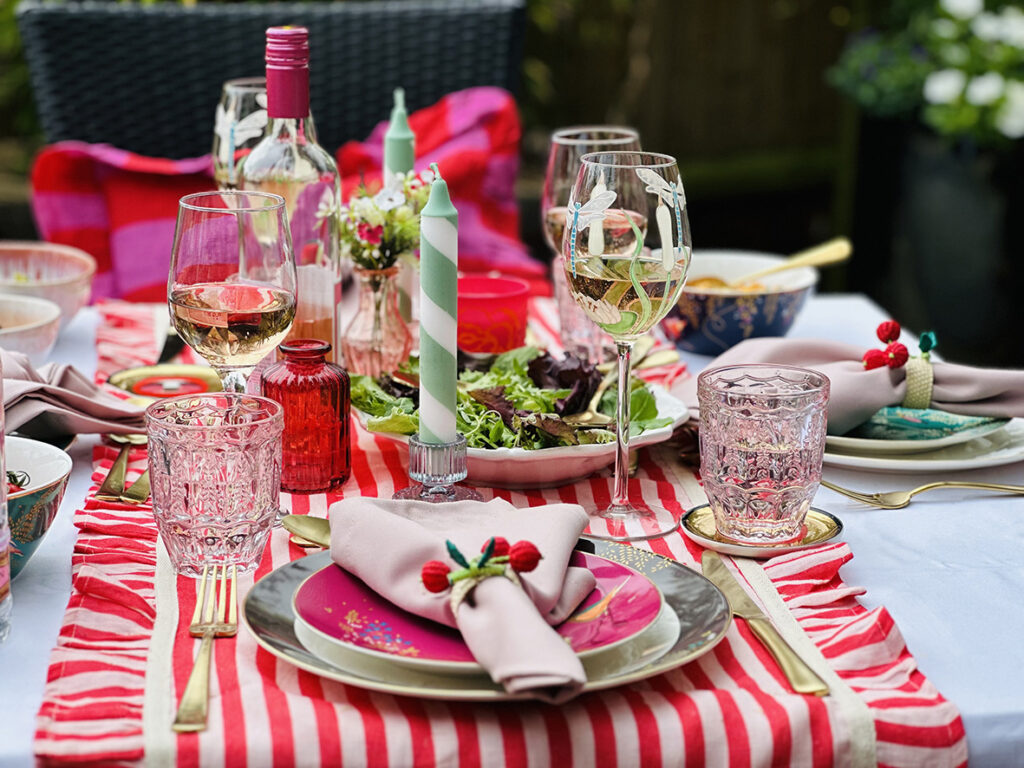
231	288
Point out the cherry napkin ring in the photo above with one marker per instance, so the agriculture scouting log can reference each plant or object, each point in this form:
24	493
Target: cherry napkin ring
920	376
496	558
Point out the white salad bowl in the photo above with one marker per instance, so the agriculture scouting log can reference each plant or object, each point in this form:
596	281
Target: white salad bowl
520	469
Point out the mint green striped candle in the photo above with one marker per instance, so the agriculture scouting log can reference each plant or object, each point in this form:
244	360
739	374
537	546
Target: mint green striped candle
439	258
399	141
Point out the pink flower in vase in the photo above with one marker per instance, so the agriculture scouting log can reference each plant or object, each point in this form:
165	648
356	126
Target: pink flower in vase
371	235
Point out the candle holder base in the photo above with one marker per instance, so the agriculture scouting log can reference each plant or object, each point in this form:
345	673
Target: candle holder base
436	469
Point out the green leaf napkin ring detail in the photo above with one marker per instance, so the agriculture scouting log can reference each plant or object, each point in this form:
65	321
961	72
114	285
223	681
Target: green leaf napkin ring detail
496	558
920	376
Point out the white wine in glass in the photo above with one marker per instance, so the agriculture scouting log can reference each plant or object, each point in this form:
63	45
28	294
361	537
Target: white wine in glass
231	288
625	251
578	334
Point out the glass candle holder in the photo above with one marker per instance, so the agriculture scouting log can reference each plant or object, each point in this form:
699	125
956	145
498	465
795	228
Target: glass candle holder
492	313
315	395
762	438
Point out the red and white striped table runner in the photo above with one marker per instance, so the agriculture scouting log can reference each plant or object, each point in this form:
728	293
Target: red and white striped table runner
732	707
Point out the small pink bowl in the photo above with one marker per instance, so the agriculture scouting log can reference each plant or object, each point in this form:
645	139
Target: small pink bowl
492	313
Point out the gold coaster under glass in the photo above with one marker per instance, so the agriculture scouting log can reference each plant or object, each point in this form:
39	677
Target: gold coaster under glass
699	525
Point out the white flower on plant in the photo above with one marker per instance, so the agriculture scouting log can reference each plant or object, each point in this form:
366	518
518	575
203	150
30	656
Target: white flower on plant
944	28
962	9
1012	19
1010	119
427	176
985	89
944	86
988	27
599	310
388	199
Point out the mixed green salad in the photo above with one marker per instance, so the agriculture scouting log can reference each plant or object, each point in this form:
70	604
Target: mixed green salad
514	400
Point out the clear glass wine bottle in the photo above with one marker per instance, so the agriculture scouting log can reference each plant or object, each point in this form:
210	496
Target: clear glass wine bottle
289	162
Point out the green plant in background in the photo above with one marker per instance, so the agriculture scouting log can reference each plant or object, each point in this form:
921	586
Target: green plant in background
957	65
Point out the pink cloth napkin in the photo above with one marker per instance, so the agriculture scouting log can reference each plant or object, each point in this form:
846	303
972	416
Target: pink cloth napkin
508	629
58	400
856	394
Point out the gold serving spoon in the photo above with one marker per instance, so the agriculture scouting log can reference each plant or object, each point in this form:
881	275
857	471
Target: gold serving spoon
831	252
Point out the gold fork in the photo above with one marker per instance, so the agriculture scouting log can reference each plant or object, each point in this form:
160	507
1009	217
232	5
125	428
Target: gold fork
216	615
900	499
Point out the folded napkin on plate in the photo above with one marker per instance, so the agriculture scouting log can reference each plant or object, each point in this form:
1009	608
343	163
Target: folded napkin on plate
58	400
507	628
856	393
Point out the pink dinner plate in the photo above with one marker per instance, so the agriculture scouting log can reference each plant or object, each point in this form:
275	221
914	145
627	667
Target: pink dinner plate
341	609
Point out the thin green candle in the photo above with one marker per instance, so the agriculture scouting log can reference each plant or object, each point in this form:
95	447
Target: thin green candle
399	140
439	258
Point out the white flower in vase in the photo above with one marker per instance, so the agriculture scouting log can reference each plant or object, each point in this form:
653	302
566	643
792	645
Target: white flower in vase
388	199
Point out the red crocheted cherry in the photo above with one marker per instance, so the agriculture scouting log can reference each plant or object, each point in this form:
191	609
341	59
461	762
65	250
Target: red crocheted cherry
888	331
897	355
435	576
523	557
874	358
500	546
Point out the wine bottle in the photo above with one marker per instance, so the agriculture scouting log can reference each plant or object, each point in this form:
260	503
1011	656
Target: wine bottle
289	162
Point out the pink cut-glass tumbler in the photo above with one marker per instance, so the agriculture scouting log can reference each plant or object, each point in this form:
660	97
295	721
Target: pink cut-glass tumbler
215	470
492	313
762	438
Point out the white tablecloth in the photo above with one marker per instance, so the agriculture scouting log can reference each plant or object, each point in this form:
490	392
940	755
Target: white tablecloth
949	568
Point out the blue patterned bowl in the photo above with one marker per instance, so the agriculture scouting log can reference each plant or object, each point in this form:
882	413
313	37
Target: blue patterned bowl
33	509
707	321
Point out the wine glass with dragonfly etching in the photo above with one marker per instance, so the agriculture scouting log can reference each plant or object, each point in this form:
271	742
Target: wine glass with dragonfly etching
578	334
625	251
231	288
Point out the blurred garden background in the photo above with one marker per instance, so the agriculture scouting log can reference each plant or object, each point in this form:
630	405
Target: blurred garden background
895	122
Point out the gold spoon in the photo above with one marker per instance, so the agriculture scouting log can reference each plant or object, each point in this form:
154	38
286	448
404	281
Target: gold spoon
591	417
112	488
831	252
316	530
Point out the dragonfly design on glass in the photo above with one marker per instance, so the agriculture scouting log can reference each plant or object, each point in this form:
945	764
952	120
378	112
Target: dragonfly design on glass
670	192
234	133
583	215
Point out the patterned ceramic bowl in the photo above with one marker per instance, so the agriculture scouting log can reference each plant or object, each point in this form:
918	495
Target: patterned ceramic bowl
59	273
29	325
708	321
32	509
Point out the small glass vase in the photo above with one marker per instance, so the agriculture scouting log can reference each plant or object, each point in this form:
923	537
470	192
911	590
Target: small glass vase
315	395
377	339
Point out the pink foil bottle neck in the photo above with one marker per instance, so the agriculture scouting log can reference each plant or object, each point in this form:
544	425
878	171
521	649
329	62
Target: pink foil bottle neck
287	72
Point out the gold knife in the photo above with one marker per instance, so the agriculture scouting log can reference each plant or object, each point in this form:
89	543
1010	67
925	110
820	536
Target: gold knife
801	677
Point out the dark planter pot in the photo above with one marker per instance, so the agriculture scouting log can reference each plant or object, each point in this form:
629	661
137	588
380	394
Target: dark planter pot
950	234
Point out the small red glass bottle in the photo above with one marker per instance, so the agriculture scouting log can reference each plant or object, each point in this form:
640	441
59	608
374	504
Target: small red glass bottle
316	453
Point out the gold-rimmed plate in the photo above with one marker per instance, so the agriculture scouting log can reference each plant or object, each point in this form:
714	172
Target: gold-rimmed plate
694	618
699	525
153	382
